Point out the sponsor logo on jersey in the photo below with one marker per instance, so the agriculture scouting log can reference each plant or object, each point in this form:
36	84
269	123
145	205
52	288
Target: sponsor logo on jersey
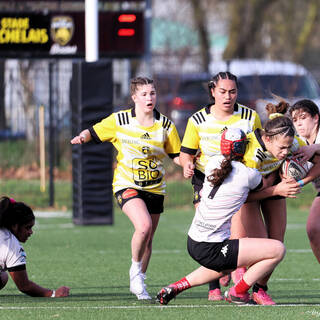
145	149
129	193
146	136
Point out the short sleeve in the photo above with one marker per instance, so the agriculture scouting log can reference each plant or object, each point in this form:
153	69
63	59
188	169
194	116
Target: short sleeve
191	136
105	130
255	178
257	122
16	256
173	143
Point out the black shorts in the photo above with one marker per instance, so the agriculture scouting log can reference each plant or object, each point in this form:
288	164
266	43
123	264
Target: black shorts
217	256
153	201
197	184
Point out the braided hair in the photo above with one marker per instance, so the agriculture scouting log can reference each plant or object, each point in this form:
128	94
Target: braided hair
220	76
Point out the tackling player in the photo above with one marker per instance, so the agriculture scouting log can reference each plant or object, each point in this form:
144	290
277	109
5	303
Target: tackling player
226	186
142	137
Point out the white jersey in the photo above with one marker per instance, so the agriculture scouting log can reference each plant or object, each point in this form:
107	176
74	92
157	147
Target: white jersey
316	181
11	251
212	219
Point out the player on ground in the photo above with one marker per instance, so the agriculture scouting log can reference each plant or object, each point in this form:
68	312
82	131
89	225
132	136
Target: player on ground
203	133
142	137
225	188
266	151
16	222
305	117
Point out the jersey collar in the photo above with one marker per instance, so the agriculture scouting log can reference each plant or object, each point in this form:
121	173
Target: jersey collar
257	133
156	113
207	108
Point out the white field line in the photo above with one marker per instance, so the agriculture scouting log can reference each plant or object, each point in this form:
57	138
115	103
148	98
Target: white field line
154	307
52	214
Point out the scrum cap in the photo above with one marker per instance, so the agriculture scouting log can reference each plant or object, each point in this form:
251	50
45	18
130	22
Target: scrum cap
233	142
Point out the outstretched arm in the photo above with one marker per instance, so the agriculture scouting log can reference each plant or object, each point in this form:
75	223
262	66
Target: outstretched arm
83	137
30	288
288	188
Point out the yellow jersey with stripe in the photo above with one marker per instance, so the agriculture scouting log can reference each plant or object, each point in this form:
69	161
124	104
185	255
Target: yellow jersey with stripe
257	156
204	131
141	150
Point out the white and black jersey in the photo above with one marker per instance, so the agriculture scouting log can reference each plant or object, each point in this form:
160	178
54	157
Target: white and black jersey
316	181
212	219
12	254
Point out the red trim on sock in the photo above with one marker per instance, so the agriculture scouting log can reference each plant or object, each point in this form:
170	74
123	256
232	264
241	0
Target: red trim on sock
241	287
181	285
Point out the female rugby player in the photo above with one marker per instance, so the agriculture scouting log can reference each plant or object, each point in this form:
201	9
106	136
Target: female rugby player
203	133
16	222
226	187
142	137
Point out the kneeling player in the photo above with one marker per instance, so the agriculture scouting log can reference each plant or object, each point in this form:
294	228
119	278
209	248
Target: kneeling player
225	189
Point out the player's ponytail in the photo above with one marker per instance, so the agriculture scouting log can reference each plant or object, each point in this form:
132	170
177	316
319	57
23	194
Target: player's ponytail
278	123
12	213
218	175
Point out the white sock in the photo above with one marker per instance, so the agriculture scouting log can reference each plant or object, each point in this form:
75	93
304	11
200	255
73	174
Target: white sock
135	267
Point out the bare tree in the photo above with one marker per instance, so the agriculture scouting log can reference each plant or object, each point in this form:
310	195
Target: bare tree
246	20
306	30
199	16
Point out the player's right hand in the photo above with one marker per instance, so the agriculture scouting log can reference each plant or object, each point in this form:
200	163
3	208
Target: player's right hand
62	292
188	170
78	140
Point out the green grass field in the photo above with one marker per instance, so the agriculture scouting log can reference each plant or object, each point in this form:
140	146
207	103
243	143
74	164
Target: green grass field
94	261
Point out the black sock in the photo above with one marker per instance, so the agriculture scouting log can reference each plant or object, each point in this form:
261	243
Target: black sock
214	284
257	286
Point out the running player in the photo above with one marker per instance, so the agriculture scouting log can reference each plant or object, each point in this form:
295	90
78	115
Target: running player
203	133
225	188
16	223
142	137
266	151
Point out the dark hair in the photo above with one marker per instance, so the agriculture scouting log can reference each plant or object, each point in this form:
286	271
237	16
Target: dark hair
139	81
306	105
12	212
280	124
218	175
215	79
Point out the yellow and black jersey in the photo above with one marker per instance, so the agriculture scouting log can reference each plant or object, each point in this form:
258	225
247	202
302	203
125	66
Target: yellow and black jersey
258	157
204	131
140	149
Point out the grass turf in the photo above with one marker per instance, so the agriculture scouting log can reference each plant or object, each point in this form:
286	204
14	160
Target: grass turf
94	261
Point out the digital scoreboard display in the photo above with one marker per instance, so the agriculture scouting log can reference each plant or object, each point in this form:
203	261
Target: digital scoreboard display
121	34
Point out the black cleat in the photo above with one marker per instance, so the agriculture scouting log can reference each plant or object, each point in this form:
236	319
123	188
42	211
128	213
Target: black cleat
166	294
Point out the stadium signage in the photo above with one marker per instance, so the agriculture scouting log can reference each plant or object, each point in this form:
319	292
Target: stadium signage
63	34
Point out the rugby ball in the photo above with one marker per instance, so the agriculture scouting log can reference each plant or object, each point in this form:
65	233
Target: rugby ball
292	167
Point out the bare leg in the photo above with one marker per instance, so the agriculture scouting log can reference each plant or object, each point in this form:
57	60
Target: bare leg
313	227
138	214
275	216
148	250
